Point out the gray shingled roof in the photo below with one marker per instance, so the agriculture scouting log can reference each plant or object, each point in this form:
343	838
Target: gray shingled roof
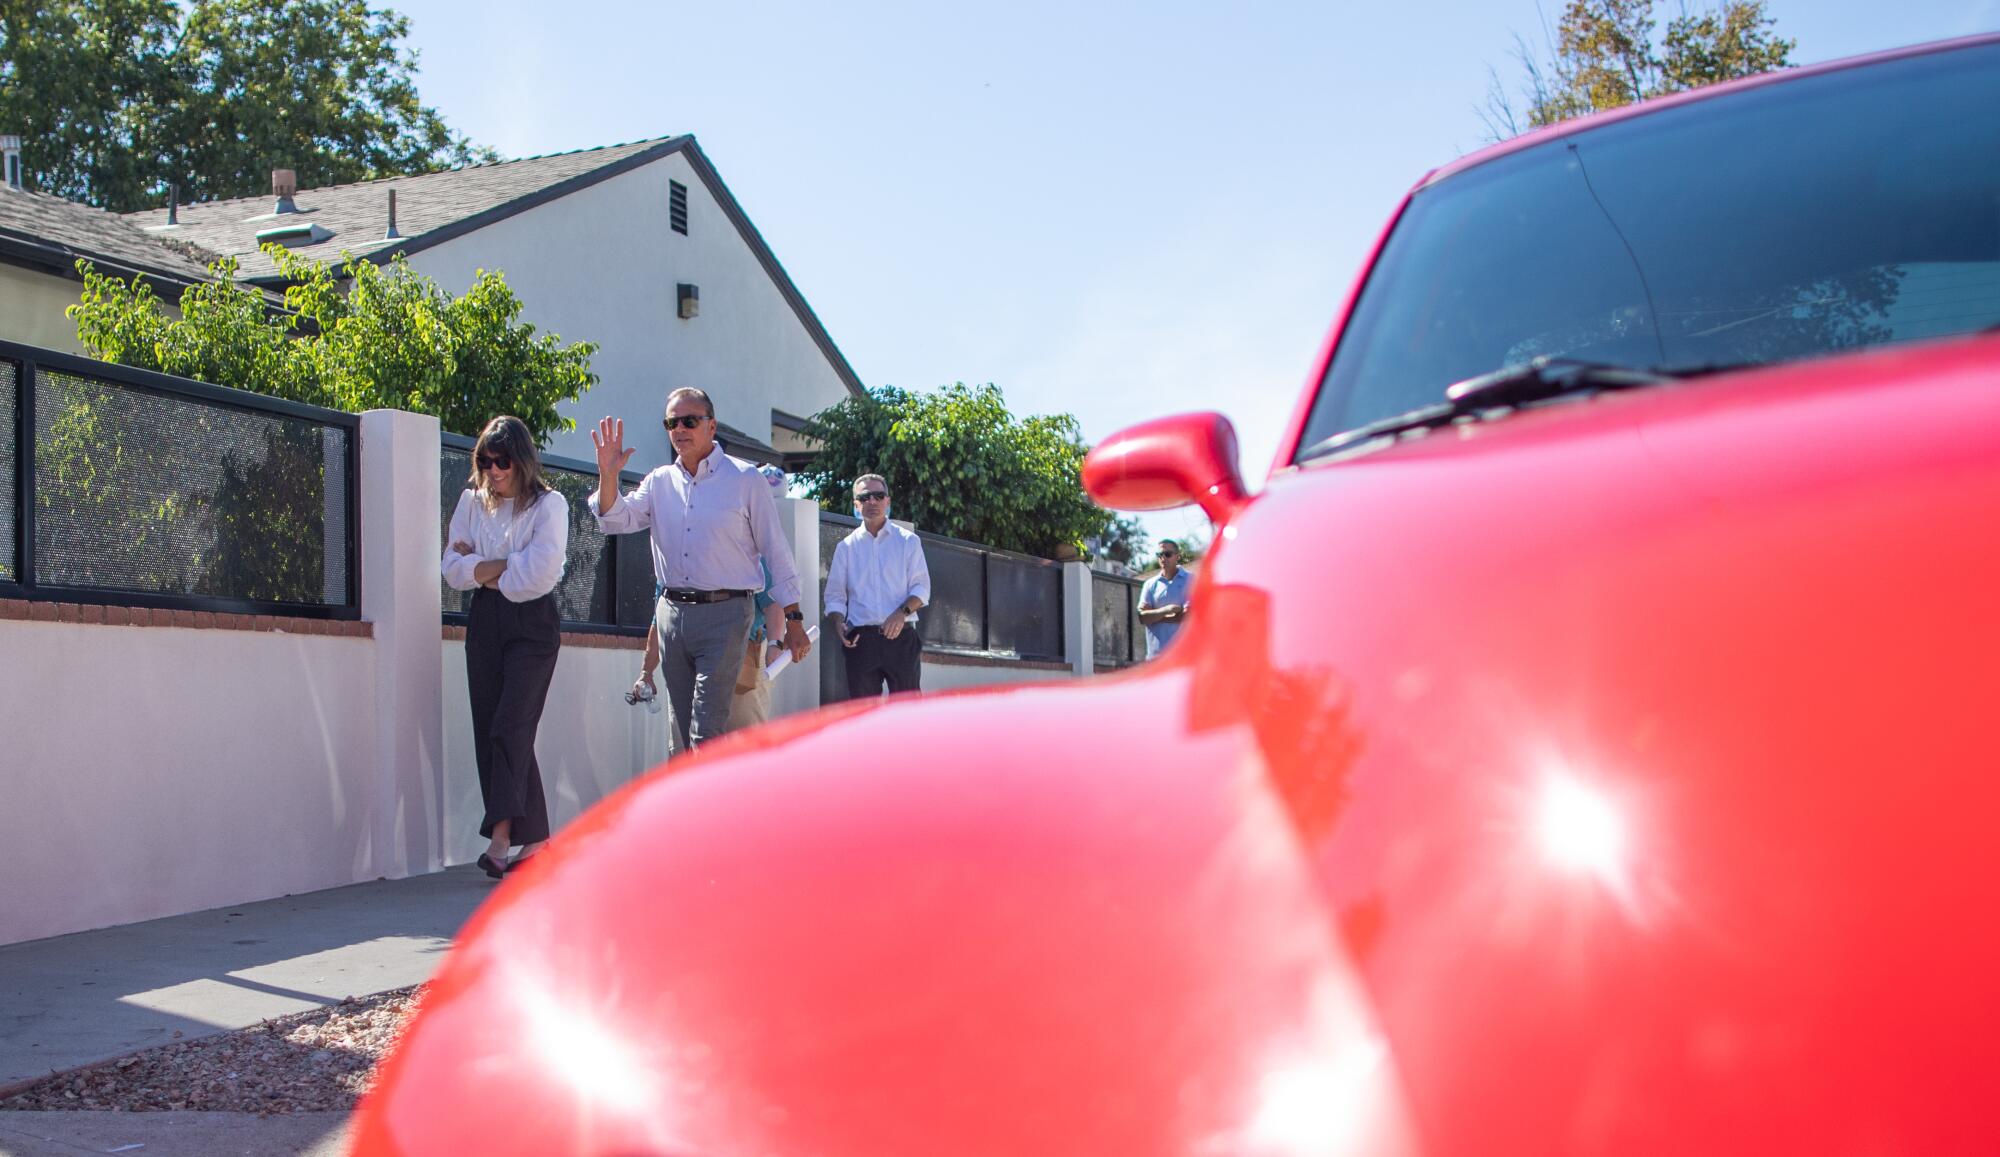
357	215
55	232
743	445
436	207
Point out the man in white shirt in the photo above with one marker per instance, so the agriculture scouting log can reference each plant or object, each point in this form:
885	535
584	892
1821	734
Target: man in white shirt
712	520
876	585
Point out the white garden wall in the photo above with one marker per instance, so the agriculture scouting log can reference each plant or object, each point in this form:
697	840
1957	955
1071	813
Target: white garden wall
157	770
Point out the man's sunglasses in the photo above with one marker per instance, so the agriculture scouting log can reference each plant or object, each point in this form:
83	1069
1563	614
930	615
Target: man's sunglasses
872	496
687	421
495	462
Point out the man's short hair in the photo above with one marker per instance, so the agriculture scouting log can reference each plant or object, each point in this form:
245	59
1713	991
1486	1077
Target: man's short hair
1167	542
690	392
866	478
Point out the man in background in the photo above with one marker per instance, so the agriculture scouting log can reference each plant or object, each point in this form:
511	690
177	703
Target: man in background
1163	600
874	589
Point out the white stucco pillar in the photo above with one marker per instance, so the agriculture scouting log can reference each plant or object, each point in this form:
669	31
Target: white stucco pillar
399	595
1079	640
798	688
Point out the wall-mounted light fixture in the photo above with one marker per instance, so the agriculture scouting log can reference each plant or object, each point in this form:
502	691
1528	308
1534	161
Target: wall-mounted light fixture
690	299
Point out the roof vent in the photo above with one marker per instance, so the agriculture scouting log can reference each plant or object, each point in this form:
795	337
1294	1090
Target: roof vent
391	234
294	236
173	204
10	150
677	207
284	183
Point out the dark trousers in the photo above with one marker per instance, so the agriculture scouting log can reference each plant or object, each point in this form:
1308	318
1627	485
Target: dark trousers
510	656
874	660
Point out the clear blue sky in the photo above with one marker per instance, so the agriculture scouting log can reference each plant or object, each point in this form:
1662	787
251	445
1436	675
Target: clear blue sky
1118	210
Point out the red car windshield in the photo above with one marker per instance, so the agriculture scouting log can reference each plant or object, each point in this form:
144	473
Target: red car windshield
1844	209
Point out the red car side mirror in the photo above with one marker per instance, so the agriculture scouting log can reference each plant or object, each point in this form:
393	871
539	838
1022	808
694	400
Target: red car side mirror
1169	462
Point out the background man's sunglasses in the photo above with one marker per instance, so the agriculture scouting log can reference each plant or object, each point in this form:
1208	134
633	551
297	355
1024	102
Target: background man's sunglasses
495	462
872	496
687	421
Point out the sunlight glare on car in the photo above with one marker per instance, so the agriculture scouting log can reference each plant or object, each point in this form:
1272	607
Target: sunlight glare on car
579	1049
1324	1106
1580	830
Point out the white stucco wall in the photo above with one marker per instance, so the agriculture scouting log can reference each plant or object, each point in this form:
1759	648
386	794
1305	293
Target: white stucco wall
590	743
601	264
153	770
32	305
954	676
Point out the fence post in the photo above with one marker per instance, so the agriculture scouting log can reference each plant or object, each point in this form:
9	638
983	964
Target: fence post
399	596
1079	633
798	688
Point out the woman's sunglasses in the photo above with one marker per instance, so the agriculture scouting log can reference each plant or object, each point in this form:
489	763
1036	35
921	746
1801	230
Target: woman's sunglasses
687	421
495	462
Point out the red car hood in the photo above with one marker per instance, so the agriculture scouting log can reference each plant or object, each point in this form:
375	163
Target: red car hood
1609	779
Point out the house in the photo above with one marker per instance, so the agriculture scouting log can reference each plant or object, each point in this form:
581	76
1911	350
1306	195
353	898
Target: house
638	247
41	239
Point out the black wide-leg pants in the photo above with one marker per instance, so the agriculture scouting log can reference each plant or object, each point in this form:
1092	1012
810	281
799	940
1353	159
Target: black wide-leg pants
510	657
875	659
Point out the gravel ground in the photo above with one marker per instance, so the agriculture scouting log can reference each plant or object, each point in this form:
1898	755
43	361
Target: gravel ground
316	1061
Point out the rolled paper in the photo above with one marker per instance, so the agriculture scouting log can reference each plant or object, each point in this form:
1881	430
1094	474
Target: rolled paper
784	658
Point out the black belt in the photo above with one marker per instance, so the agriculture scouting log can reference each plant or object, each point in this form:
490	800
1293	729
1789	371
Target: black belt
692	596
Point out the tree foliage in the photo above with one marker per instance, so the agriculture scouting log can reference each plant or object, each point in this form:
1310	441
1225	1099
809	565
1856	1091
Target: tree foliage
1608	53
958	463
363	337
116	99
1123	540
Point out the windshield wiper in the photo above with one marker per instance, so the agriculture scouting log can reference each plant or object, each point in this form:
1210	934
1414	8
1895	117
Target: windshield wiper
1525	383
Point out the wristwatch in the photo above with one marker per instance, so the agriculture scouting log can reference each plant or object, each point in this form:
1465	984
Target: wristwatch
795	616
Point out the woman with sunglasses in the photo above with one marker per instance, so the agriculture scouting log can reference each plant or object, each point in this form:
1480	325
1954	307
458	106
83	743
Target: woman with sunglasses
509	541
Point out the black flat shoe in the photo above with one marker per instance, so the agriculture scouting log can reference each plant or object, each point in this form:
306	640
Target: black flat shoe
491	866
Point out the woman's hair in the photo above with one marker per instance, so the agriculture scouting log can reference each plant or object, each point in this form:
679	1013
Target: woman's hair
509	435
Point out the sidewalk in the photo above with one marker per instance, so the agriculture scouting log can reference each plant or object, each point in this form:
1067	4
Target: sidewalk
92	996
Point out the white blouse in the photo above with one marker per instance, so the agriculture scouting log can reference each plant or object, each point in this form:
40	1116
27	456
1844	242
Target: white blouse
533	541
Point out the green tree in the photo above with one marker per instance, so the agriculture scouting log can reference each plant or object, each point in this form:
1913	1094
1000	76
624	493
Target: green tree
364	337
1122	540
116	99
960	464
1608	53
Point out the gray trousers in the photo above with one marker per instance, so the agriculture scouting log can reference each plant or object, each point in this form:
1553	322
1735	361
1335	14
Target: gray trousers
701	650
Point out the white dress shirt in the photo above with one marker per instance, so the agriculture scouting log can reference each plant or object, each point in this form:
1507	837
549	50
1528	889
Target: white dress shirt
709	528
873	574
533	540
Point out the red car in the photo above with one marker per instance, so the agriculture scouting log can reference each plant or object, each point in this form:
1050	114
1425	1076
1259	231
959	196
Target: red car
1583	745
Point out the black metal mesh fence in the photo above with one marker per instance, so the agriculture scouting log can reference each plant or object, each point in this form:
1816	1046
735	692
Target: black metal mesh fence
160	493
633	570
454	467
956	616
10	378
1113	617
585	593
1024	606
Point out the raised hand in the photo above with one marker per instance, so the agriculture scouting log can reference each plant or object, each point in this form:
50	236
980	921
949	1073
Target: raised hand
609	439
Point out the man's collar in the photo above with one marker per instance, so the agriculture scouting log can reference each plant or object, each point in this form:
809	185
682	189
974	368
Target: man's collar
706	464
